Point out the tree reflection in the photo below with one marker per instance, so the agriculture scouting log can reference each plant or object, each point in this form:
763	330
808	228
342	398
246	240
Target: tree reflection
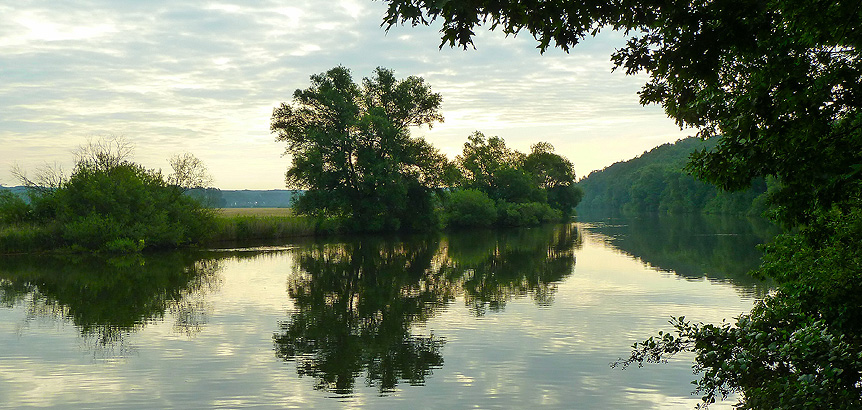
108	298
357	304
491	268
693	246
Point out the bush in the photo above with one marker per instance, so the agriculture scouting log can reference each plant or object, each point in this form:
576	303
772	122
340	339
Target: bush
526	214
117	207
470	208
13	209
126	202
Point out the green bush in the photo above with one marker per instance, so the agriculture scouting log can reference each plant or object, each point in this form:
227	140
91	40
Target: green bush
470	208
116	207
526	214
127	203
13	209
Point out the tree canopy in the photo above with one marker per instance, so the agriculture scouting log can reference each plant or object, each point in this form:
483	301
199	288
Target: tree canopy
779	85
657	182
509	187
778	80
352	151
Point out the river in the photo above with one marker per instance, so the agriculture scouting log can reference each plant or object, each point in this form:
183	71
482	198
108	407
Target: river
484	319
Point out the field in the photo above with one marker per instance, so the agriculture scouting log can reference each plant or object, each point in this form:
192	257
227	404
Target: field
229	212
244	224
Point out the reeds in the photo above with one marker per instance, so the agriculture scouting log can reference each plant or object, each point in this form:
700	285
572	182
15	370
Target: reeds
240	227
28	238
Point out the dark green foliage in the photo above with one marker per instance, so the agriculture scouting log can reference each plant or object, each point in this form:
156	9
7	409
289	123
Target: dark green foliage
776	86
13	209
29	237
488	165
351	149
565	197
786	105
656	182
800	347
528	189
470	208
526	213
516	185
114	206
555	175
126	207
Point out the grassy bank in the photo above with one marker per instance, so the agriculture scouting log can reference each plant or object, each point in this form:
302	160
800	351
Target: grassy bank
244	224
28	238
229	225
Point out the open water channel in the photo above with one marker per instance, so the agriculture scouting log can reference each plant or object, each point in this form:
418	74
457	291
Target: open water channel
489	319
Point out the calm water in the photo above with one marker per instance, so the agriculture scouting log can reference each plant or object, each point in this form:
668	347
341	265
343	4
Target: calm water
512	319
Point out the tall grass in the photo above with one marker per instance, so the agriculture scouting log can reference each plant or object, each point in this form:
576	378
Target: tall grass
229	225
28	238
240	227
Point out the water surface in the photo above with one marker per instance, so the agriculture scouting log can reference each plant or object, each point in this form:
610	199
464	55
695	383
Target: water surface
484	319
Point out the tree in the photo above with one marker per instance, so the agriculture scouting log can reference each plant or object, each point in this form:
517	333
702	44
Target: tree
189	172
488	165
777	83
352	151
556	175
550	169
507	176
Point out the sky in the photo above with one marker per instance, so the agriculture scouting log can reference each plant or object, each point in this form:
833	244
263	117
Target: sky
204	76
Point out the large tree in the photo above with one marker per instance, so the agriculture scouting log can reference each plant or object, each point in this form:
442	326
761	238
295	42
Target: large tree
352	151
779	84
780	81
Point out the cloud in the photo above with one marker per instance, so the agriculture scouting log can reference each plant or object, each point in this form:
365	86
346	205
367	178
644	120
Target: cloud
204	77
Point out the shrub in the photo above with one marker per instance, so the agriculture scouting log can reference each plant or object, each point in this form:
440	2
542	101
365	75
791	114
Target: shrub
526	214
470	208
13	209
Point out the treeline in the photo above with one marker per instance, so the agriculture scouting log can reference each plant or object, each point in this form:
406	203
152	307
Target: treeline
353	155
657	182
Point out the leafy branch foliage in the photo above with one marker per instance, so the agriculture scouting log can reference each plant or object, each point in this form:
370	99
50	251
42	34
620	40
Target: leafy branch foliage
799	347
777	85
505	187
351	149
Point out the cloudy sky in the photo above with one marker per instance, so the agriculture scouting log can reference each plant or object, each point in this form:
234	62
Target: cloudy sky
204	76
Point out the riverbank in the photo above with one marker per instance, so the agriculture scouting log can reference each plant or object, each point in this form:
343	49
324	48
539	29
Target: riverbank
229	225
243	224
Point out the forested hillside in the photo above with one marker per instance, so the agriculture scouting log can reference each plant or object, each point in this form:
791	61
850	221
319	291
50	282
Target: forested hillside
656	182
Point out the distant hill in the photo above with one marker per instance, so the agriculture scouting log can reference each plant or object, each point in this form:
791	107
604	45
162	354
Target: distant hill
18	190
655	182
246	198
